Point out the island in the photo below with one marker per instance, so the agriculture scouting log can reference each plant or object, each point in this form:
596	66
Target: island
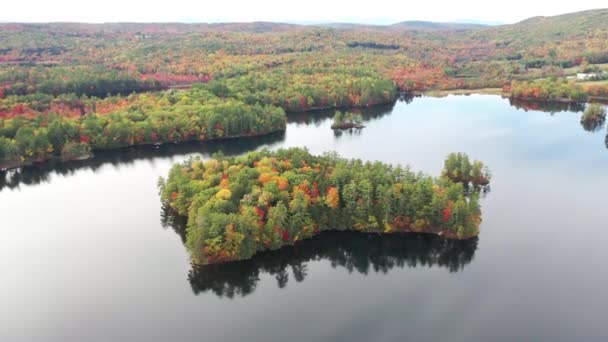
594	117
264	200
347	120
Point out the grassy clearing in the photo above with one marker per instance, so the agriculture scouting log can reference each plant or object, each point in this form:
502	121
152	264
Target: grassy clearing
591	83
483	91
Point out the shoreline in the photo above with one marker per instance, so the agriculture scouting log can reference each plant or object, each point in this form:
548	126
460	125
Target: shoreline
430	93
324	108
345	126
17	165
458	92
441	234
499	92
555	100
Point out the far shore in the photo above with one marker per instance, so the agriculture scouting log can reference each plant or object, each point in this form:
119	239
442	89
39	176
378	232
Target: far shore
430	93
480	91
498	91
29	162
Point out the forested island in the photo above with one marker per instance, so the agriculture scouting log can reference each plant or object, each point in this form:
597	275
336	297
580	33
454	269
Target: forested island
347	120
69	89
264	200
594	118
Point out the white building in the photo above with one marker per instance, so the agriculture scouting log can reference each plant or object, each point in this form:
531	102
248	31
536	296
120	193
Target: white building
585	77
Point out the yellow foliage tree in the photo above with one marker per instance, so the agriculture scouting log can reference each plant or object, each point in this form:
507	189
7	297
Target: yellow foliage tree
333	198
264	177
224	194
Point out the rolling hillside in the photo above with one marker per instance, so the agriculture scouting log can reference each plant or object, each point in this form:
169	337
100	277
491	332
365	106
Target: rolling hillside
555	28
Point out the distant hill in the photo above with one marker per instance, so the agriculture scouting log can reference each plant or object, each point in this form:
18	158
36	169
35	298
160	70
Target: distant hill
550	29
414	25
435	26
176	28
255	27
346	26
583	19
532	30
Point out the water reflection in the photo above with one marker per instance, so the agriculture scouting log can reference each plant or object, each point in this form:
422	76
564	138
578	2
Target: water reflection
41	173
356	252
549	107
555	107
93	240
318	117
350	131
363	253
407	98
593	125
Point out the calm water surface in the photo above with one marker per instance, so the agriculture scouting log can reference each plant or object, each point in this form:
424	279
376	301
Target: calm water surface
88	253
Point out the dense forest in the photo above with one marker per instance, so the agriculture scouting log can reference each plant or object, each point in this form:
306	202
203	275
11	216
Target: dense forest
265	200
138	119
112	85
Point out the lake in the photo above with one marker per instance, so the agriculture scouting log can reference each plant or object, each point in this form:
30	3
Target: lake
89	254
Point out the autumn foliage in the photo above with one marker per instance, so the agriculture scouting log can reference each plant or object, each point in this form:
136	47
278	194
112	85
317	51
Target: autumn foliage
115	85
253	211
28	134
548	90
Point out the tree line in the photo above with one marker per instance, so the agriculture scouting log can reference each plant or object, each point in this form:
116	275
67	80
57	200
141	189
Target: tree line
135	120
548	90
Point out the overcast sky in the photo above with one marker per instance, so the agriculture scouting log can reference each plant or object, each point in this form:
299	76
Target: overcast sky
307	11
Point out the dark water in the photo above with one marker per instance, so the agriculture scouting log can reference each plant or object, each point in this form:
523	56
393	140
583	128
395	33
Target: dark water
88	253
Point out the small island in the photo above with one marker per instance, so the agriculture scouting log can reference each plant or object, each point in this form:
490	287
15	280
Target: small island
594	117
347	120
594	112
239	206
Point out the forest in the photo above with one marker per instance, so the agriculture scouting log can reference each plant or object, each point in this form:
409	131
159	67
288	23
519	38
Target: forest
239	206
137	119
115	85
551	89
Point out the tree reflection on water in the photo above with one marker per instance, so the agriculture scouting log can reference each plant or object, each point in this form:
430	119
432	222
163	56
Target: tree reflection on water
355	252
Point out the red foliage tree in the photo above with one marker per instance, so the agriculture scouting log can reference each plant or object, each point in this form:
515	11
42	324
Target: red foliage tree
85	139
315	190
447	211
285	235
260	212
